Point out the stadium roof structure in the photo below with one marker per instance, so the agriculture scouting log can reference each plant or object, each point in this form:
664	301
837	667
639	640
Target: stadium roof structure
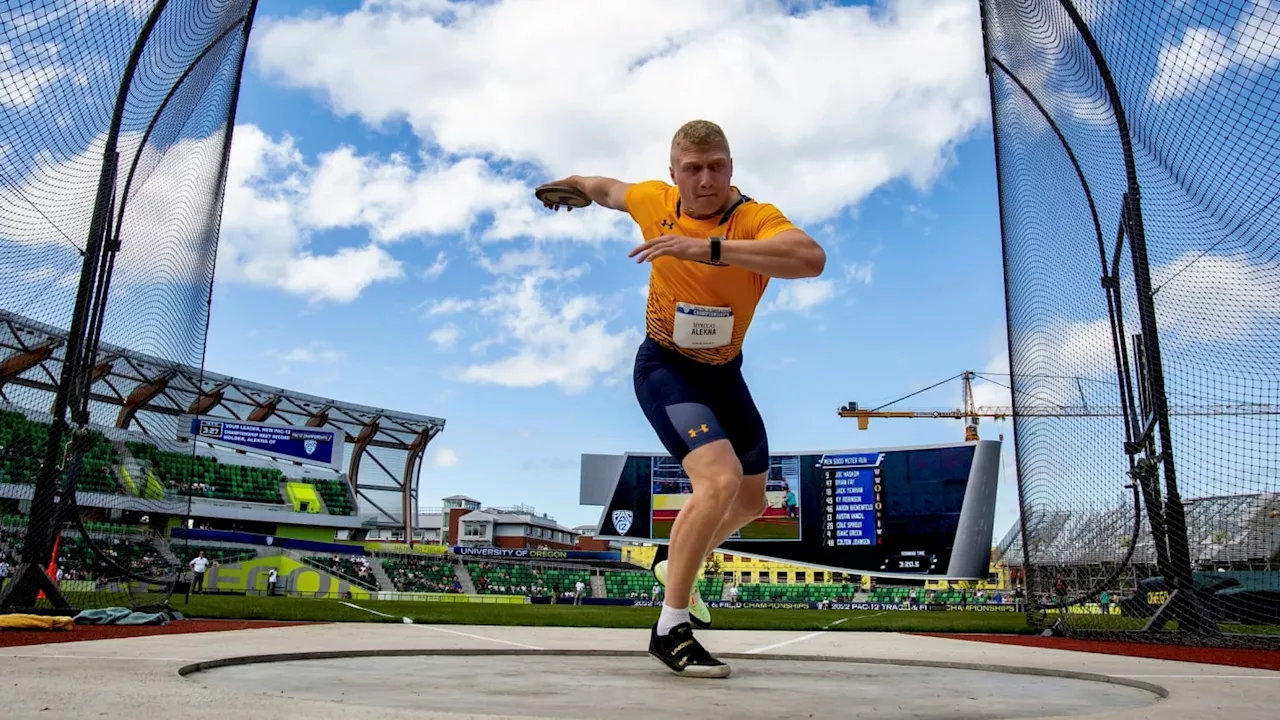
1228	529
149	394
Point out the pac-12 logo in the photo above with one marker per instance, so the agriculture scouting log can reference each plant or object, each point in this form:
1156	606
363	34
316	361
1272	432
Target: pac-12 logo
310	446
622	521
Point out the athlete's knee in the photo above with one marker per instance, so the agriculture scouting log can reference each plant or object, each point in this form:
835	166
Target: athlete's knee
754	504
715	472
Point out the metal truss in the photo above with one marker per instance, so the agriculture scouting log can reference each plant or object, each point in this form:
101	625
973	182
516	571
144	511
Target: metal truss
146	394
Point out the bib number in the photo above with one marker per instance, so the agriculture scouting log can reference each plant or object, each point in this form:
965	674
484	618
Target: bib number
702	326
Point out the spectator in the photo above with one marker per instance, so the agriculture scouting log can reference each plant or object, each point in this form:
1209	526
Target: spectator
272	577
578	589
199	564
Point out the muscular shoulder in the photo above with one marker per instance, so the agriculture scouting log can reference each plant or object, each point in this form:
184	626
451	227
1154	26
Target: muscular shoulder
646	199
761	221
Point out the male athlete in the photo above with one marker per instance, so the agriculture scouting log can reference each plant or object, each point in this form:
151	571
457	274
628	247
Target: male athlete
712	251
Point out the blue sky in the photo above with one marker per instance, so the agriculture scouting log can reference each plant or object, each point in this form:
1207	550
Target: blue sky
380	242
914	296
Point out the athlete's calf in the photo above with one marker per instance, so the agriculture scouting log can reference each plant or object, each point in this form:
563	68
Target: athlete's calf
716	477
749	505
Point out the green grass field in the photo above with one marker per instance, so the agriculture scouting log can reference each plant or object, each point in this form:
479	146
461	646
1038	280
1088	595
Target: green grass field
283	608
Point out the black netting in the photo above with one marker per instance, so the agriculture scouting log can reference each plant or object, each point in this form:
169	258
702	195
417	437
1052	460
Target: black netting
115	123
1138	151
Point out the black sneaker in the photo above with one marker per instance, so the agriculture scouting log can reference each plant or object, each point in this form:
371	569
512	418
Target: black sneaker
683	654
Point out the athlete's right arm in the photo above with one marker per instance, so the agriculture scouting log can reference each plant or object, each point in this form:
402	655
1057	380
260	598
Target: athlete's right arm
602	190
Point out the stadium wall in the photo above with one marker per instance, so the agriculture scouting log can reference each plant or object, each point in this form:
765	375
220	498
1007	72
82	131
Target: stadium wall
303	532
378	546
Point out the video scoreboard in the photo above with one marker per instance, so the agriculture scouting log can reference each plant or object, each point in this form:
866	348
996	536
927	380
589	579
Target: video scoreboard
894	512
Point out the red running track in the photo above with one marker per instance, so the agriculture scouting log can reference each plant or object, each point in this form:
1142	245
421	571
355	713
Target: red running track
1260	659
13	638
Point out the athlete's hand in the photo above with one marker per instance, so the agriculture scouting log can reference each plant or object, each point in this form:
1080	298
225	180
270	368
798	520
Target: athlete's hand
676	246
572	181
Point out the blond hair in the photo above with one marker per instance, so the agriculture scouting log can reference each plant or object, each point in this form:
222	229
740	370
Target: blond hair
699	134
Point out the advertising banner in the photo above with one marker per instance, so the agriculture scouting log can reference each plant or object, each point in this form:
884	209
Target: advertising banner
535	554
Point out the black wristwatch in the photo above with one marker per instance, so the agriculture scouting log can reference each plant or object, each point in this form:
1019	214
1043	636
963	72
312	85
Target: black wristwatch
715	249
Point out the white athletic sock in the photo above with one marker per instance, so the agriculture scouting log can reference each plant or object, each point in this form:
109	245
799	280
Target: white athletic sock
670	618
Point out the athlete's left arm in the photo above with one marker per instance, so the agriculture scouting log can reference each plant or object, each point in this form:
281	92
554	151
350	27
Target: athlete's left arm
776	247
788	254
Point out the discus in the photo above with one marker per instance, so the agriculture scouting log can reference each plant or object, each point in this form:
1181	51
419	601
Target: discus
562	195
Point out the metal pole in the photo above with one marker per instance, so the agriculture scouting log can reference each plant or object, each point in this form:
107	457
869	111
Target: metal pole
46	506
1175	520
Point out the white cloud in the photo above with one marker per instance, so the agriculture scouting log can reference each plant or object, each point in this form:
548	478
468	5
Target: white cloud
470	79
800	295
445	336
1066	348
546	334
1256	31
1203	53
395	200
1189	65
859	272
437	267
1217	298
448	306
314	352
445	457
23	78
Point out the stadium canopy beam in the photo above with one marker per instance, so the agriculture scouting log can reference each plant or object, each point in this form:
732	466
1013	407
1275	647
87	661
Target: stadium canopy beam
357	453
207	400
16	364
412	464
319	419
264	409
103	369
121	377
141	395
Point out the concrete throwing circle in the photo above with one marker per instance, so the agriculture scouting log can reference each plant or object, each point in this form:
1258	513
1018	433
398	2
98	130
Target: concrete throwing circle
625	685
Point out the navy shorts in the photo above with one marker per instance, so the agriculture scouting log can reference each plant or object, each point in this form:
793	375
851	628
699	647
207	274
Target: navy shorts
690	404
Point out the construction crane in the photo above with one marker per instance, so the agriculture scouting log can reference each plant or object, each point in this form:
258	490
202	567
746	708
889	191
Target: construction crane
971	413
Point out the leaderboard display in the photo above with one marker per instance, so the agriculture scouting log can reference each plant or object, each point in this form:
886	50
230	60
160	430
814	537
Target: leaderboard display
853	497
904	511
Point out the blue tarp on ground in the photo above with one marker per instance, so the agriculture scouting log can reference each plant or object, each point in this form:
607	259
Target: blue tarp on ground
120	616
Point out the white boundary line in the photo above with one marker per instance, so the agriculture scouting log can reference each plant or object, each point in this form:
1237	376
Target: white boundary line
451	632
802	638
357	607
478	637
447	630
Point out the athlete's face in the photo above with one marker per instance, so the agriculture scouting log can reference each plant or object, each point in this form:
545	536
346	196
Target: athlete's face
703	176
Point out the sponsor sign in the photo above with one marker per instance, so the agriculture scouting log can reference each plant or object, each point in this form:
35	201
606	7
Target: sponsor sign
535	554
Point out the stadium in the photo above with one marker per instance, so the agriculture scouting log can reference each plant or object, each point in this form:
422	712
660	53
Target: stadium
173	534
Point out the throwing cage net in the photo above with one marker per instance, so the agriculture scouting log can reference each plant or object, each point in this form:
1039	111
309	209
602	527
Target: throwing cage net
1138	157
115	123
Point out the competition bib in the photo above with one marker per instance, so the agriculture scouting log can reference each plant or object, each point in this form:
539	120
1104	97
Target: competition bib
702	326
